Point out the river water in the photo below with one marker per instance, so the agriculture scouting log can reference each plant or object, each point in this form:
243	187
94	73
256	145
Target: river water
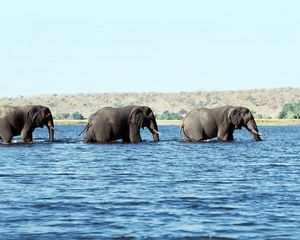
166	190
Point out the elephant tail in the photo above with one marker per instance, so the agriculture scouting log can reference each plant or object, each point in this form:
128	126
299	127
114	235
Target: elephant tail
85	129
184	133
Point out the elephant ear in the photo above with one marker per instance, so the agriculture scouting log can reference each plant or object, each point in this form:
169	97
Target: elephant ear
235	116
137	117
35	115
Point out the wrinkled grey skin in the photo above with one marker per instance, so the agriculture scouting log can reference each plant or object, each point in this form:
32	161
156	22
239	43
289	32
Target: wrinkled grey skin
22	121
110	124
204	123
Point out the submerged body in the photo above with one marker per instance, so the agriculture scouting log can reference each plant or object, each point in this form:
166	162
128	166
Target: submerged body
206	123
22	121
110	124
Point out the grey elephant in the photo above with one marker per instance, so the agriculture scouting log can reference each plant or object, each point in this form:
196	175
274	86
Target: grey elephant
22	121
110	124
206	123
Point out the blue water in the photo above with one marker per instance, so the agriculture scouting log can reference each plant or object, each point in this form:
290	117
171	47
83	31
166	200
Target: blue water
166	190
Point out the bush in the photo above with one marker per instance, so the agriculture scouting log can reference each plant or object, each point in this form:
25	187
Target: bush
77	116
169	116
290	110
63	116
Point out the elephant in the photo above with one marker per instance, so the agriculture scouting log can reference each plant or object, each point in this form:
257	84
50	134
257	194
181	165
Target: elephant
205	123
110	124
23	120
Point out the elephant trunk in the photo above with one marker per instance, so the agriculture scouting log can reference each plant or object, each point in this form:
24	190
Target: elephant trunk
154	130
252	128
50	126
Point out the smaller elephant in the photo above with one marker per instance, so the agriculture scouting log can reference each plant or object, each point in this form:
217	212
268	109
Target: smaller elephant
22	121
110	124
206	123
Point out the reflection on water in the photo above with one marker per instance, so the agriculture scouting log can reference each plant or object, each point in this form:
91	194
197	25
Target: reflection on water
166	190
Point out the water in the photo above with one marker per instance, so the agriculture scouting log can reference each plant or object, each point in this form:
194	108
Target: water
166	190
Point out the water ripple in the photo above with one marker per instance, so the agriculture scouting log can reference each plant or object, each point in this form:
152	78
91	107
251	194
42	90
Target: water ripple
166	190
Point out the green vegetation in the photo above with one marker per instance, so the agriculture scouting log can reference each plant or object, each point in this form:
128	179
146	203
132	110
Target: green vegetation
73	116
290	110
166	115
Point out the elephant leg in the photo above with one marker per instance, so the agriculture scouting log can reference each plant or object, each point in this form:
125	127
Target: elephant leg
134	134
225	135
126	139
28	139
230	136
6	138
6	133
135	138
27	136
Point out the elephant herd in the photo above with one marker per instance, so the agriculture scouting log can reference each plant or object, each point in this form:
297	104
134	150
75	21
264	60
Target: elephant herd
110	124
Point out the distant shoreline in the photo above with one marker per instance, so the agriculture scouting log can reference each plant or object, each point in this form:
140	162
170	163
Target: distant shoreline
260	122
265	103
277	122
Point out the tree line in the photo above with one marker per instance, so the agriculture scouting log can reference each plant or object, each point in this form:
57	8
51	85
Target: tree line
289	111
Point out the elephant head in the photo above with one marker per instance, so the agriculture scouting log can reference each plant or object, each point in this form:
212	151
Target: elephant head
140	117
40	116
242	117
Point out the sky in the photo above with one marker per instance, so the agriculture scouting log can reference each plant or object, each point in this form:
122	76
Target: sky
55	47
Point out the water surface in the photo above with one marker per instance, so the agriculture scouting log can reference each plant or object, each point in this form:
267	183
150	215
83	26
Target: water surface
166	190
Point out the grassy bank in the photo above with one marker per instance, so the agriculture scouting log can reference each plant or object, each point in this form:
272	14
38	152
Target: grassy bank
70	122
277	122
270	122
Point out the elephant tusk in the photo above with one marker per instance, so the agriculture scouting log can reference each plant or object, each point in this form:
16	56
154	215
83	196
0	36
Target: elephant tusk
156	131
52	128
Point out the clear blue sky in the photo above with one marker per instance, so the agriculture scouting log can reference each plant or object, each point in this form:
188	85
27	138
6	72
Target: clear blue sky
158	45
